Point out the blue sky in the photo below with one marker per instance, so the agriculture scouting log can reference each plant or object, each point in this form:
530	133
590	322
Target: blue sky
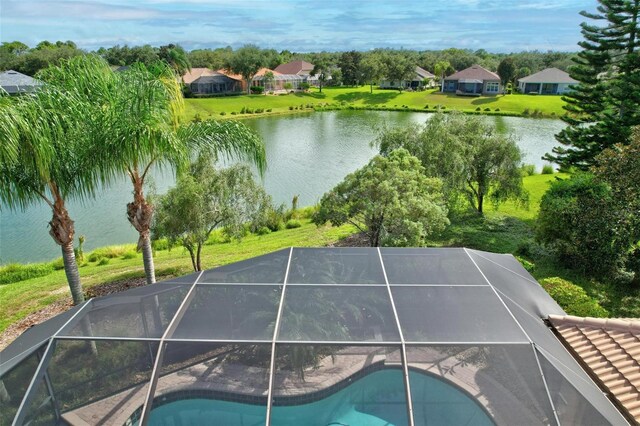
300	25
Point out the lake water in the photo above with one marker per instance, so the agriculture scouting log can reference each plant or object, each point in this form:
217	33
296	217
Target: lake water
306	155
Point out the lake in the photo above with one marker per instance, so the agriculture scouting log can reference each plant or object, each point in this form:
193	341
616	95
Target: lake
307	155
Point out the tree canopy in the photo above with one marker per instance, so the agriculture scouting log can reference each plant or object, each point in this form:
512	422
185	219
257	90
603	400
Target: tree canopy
205	199
471	158
390	200
605	104
246	61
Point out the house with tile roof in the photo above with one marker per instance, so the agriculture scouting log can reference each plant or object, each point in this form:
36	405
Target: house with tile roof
609	350
205	81
300	68
421	79
472	81
15	83
550	81
280	83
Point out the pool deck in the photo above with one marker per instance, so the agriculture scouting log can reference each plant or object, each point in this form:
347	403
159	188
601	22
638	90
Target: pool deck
240	379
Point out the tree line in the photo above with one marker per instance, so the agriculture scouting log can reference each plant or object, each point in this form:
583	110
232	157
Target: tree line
354	65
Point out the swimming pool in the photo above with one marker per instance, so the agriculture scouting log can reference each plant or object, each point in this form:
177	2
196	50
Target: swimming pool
377	399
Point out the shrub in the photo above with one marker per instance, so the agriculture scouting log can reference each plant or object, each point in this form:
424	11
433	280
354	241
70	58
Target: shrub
263	230
269	110
109	252
575	220
243	110
497	109
15	272
572	298
529	266
487	109
547	169
526	112
161	244
293	223
257	90
478	109
290	108
426	106
305	86
130	255
104	261
223	113
58	264
287	86
234	113
528	170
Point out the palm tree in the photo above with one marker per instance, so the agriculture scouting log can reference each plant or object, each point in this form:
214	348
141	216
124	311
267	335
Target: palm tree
145	130
47	138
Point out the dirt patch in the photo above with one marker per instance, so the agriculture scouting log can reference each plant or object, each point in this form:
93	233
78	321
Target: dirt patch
355	240
55	308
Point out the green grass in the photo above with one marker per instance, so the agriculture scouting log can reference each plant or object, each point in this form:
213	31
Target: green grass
22	298
360	97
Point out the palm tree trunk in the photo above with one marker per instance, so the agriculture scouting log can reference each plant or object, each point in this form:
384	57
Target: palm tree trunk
140	214
71	271
62	231
147	259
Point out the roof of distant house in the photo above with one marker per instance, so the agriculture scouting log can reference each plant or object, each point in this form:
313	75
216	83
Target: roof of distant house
196	73
295	67
14	82
424	73
549	75
474	72
610	348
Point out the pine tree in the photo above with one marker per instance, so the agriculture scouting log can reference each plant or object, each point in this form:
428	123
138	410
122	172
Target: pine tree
605	105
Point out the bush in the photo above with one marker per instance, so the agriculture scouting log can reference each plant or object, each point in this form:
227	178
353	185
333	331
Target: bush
58	264
290	108
233	113
478	109
526	112
305	86
263	230
528	170
572	298
15	272
257	90
497	110
287	86
109	252
243	110
575	220
104	261
529	266
223	113
293	223
547	169
130	255
269	110
487	109
161	244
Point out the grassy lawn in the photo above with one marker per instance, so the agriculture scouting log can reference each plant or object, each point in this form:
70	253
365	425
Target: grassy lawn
360	97
24	297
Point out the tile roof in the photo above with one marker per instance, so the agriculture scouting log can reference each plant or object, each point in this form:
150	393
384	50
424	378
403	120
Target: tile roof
14	82
549	75
474	72
424	73
294	67
195	73
610	348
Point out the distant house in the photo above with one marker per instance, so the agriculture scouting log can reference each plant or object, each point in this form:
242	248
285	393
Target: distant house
204	81
421	79
550	81
280	82
300	68
474	80
15	83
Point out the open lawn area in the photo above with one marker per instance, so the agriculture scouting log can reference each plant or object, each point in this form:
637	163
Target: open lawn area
360	97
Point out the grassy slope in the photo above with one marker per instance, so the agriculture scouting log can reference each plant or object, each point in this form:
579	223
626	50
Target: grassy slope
24	297
360	97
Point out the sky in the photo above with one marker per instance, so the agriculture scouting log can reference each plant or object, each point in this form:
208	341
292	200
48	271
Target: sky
300	25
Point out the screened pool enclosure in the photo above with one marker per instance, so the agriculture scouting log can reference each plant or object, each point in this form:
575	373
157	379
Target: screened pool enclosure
309	336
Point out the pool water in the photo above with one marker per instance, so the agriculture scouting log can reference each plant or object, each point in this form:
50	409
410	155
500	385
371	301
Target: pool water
377	399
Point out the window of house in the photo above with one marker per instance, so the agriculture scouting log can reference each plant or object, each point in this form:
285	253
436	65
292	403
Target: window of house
493	87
